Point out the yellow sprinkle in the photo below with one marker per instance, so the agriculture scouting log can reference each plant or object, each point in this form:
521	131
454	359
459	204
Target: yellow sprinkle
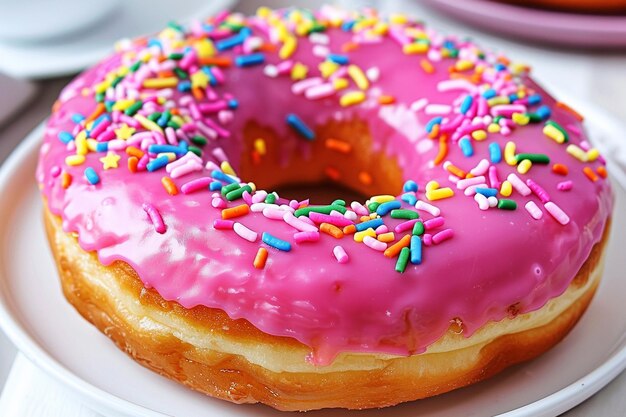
110	160
509	153
340	83
493	128
167	82
479	135
81	143
328	68
227	168
383	198
304	28
171	156
593	154
359	236
365	23
381	28
352	98
147	123
521	119
359	78
518	68
263	12
252	186
178	120
398	19
506	189
102	87
299	71
386	237
439	193
122	105
415	48
463	65
199	79
554	133
498	100
577	153
74	160
124	132
204	48
524	166
288	48
432	185
259	146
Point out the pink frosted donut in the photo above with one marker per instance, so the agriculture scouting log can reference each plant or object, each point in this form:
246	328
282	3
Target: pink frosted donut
159	169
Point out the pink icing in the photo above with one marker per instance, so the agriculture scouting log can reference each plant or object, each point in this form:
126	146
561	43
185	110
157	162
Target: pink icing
495	259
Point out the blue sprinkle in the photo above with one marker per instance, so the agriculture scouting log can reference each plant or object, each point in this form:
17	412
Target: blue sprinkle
534	99
338	59
491	93
184	146
100	119
348	25
102	146
157	163
487	192
166	148
466	146
409	198
184	86
410	185
212	79
276	242
65	137
432	122
154	42
495	153
233	103
77	118
233	41
416	250
467	104
220	176
385	208
500	67
370	223
249	60
215	186
91	176
300	127
544	112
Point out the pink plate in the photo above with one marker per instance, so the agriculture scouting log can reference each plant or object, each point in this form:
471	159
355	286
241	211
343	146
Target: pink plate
544	26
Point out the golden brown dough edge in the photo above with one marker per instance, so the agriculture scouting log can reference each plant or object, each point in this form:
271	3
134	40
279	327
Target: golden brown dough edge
232	360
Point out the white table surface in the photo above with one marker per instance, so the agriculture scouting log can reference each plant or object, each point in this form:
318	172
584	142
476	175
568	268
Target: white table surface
598	76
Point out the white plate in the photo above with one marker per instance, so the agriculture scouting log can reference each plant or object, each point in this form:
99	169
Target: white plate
49	332
70	54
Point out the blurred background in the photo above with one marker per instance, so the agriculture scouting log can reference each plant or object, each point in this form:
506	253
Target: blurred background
575	46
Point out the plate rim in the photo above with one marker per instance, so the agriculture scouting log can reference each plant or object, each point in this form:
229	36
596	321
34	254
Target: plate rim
553	404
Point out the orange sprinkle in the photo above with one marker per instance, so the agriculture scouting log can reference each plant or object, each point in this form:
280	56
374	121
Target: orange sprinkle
175	111
386	237
427	66
56	106
100	109
455	170
332	173
169	185
332	230
385	99
132	164
570	110
434	132
66	180
349	230
237	211
267	47
349	46
338	145
364	218
590	174
365	178
136	152
260	258
602	171
197	93
560	169
443	150
219	61
166	74
393	250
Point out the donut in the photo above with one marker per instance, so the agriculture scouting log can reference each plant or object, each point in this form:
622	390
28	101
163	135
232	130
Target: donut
581	6
475	242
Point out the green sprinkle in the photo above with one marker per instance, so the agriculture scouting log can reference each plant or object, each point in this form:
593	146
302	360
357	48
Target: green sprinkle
497	119
196	150
117	80
373	206
176	56
339	202
100	98
418	228
108	105
304	211
236	194
534	118
535	158
271	198
154	116
505	204
173	124
404	214
230	187
403	259
199	140
175	26
133	108
560	128
180	73
135	66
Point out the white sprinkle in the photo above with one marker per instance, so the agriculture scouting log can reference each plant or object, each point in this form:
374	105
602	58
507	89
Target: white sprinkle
482	201
429	208
340	254
534	210
374	243
244	232
518	184
557	212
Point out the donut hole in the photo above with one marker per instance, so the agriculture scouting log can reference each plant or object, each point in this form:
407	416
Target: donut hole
341	163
